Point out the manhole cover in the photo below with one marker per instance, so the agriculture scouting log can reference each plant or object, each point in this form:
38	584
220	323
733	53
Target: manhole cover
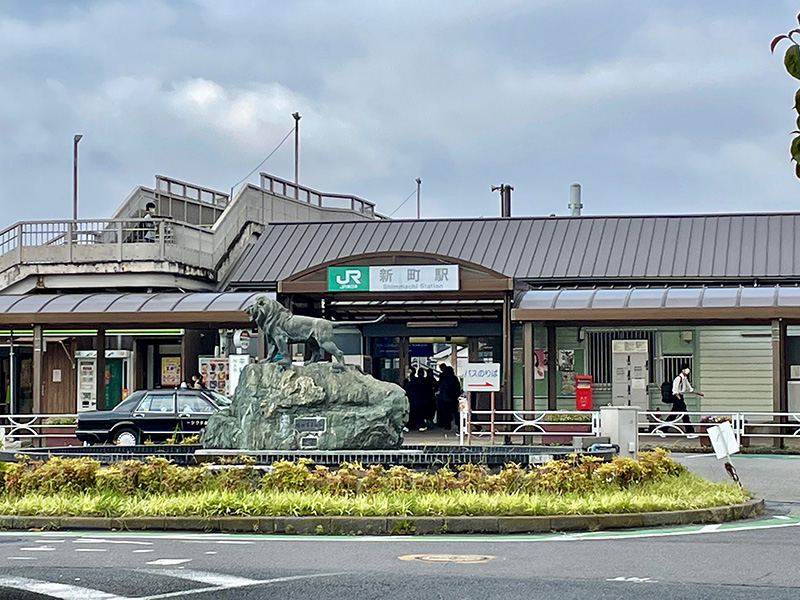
448	558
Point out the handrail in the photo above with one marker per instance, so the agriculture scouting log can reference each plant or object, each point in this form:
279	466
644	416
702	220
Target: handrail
282	187
72	237
217	198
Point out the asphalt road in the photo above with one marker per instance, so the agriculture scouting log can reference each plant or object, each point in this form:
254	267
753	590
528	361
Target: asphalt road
752	559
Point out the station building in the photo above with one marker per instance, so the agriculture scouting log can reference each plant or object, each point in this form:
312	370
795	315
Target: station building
624	299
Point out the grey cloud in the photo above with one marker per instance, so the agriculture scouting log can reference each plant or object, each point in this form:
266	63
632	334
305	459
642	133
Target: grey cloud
655	108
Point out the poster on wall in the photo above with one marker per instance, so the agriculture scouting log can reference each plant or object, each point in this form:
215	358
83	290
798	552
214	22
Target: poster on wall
214	372
539	364
566	360
567	384
170	371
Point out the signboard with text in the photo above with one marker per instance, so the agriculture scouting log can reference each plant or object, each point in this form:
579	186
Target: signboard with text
482	377
394	278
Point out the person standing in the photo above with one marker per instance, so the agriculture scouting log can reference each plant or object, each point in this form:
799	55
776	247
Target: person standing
147	224
447	396
680	387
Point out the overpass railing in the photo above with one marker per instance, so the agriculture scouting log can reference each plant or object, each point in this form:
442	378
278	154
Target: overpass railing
282	187
71	241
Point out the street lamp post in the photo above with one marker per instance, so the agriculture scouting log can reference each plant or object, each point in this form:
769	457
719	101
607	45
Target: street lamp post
419	183
75	141
296	116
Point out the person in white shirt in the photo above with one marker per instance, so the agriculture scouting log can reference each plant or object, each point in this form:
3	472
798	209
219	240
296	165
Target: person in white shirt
681	387
147	224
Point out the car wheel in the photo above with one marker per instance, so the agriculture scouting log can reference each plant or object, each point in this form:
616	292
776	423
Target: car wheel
126	437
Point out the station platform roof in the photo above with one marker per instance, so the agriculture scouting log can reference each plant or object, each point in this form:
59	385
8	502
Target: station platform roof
128	309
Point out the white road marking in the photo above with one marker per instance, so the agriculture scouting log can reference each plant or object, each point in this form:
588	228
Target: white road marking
105	541
57	590
168	562
233	542
211	552
141	551
219	589
22	558
215	579
50	541
38	549
709	528
783	517
633	579
91	549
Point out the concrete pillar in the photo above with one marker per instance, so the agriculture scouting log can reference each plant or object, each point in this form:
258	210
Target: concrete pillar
190	350
100	369
552	363
38	349
528	374
621	425
779	398
508	358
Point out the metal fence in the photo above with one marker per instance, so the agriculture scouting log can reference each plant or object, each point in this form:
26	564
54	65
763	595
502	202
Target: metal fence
38	430
523	426
105	240
287	189
750	428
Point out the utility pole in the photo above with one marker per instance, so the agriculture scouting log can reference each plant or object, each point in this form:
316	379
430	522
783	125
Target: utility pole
75	141
419	183
296	116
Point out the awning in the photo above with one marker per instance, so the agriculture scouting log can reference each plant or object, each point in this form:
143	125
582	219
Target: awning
131	310
659	304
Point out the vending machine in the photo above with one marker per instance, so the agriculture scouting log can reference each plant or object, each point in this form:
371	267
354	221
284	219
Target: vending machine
118	378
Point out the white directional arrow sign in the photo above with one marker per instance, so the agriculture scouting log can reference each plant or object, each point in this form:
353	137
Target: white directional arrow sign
482	377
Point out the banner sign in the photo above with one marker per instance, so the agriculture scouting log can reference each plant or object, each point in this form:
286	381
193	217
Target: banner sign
394	278
482	377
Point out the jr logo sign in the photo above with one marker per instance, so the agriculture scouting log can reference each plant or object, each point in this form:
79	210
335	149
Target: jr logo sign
348	279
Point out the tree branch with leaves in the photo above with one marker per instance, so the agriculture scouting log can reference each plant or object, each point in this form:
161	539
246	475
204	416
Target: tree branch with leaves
791	61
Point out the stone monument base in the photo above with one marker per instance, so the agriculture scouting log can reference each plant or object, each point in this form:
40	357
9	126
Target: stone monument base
320	406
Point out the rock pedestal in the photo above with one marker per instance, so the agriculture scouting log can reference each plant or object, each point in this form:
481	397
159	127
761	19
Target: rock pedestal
320	406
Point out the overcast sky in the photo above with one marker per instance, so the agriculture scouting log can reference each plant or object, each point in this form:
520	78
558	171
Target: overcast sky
654	106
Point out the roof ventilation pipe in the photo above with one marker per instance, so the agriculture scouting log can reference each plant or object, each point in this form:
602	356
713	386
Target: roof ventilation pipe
505	198
575	205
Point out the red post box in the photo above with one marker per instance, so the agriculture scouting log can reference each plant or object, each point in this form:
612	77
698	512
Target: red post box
583	392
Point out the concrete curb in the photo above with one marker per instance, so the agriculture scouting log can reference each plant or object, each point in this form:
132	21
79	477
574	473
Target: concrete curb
391	525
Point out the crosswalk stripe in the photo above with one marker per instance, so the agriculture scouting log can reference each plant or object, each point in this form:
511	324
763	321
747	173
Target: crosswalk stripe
57	590
216	579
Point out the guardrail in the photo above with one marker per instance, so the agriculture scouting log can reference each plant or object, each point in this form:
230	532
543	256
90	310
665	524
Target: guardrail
49	242
747	426
282	187
560	426
547	426
38	429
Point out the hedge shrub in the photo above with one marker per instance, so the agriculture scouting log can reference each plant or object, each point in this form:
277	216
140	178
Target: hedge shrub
158	476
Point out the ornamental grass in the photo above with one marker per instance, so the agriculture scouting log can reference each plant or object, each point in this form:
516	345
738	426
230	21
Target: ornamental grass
157	487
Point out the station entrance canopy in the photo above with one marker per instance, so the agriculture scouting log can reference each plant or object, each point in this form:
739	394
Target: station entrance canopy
129	310
660	303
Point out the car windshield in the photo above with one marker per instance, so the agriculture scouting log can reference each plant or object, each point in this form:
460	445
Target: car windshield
218	398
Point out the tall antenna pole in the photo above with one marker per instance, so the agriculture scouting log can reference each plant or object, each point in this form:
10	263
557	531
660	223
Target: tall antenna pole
296	116
419	183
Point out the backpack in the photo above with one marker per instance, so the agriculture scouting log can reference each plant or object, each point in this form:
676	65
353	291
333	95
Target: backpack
666	393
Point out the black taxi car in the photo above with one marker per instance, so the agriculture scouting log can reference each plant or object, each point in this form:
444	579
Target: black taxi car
150	415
